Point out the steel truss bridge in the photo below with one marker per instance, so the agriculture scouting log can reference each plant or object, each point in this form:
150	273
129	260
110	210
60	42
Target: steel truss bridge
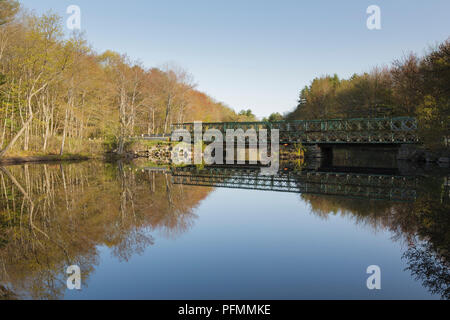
399	130
353	185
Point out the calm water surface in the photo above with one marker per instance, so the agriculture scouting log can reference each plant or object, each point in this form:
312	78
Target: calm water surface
146	234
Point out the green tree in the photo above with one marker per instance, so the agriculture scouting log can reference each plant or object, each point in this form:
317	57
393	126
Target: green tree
276	116
246	115
433	111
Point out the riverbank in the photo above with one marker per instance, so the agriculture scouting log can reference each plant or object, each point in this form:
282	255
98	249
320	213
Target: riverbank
161	153
46	158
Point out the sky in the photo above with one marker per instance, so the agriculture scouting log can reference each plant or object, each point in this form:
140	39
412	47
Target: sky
258	54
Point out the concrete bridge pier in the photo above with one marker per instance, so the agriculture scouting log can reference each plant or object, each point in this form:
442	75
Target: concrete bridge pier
319	154
319	151
327	153
348	155
407	152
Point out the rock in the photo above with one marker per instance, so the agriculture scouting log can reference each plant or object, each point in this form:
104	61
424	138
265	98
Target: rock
409	152
430	157
443	164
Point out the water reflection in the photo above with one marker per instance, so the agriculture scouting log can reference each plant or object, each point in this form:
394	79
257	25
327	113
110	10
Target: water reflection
333	181
53	216
424	225
416	209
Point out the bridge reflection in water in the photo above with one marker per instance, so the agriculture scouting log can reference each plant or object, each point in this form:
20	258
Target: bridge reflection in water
377	185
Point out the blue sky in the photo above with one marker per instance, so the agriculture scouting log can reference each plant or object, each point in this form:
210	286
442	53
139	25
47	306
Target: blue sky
258	54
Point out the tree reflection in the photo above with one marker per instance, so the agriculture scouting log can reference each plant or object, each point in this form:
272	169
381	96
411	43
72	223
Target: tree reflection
53	216
429	267
424	225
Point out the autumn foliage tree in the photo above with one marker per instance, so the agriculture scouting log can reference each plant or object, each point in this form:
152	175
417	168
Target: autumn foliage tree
412	86
57	95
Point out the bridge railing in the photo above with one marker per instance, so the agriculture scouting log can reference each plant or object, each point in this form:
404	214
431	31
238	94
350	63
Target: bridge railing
356	124
358	130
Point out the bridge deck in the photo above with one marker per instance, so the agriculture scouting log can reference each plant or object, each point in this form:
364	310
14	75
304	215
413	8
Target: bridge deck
399	130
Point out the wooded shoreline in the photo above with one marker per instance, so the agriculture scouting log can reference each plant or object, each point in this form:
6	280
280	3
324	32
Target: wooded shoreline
59	96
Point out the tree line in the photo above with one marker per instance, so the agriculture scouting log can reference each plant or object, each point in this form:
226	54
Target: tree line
412	86
58	95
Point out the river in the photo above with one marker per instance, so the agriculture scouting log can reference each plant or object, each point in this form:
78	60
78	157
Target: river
140	232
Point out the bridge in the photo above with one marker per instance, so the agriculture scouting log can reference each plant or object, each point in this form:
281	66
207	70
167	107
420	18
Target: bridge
398	130
376	186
